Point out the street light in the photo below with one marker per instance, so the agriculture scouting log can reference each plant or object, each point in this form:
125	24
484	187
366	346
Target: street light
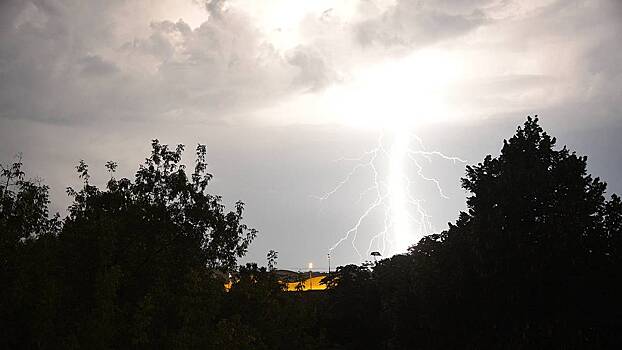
329	264
310	276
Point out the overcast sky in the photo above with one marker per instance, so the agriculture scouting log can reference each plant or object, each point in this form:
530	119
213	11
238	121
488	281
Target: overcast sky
287	95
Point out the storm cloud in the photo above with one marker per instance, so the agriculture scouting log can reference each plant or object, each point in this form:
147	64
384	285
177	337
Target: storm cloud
99	79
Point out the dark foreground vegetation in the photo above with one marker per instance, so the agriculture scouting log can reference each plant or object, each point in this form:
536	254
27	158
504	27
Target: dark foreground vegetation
535	262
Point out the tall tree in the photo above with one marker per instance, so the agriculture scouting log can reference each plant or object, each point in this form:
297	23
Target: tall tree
534	262
28	291
137	264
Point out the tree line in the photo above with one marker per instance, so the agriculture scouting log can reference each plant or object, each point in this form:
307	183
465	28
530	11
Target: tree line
534	262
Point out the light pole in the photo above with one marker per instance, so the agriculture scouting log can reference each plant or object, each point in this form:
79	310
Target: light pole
328	263
310	276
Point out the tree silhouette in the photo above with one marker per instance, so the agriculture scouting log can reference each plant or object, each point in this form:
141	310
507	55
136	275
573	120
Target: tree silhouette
536	237
27	293
352	314
532	263
134	265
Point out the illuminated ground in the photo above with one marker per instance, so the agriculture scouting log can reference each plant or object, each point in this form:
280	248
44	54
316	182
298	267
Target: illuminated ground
295	281
308	284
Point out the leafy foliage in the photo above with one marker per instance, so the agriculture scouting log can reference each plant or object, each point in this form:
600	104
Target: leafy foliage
27	293
272	318
534	262
352	314
135	264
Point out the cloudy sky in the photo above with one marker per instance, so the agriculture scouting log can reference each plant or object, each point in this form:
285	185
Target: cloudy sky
294	97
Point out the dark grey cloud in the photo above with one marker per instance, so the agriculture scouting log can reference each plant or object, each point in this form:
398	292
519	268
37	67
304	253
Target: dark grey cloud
165	68
418	23
215	7
47	51
95	66
314	71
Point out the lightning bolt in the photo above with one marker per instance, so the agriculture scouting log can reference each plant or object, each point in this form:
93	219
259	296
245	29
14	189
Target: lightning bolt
404	216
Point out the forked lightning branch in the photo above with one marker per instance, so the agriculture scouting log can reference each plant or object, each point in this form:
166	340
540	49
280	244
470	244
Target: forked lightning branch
394	198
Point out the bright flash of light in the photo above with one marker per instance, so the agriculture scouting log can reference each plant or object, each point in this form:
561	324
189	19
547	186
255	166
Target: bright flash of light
395	97
397	184
310	266
404	217
401	93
